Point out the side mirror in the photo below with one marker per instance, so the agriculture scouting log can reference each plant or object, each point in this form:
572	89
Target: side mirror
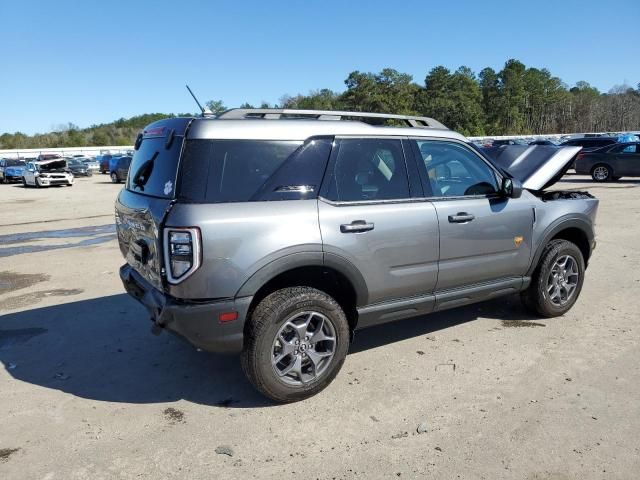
511	188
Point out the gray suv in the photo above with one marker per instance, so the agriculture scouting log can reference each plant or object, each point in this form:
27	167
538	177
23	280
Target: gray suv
276	234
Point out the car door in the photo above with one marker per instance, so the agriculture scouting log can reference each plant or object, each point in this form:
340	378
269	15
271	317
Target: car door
29	174
370	219
484	237
626	161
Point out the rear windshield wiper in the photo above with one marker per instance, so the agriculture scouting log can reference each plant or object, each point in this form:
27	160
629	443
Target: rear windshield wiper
141	177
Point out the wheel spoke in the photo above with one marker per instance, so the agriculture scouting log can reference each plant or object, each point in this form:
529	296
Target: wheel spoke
316	358
290	367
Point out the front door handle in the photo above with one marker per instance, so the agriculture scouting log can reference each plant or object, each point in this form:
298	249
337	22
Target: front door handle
461	217
357	226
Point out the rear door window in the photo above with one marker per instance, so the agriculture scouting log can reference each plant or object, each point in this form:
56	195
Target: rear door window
367	169
154	167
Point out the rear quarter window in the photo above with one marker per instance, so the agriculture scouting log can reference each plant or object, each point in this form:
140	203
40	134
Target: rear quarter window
219	171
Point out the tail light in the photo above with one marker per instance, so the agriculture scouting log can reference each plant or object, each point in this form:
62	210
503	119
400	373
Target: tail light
182	253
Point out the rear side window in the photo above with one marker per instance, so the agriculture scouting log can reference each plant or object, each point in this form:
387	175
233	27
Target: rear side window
153	168
368	169
219	171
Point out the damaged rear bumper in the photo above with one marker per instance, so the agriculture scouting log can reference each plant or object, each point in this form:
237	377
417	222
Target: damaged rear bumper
196	322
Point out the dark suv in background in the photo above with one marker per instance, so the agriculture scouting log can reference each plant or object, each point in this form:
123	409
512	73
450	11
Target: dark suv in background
589	143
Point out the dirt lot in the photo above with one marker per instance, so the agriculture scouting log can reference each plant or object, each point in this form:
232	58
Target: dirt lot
88	392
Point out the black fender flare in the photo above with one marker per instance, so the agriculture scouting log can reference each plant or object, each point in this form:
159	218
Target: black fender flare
306	259
562	223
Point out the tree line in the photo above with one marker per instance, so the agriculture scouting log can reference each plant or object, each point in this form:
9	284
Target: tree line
515	100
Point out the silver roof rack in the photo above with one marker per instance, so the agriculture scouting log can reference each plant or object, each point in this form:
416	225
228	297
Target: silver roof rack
278	113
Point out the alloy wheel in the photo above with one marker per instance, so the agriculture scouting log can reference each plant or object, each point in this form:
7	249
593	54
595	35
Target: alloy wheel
303	348
601	173
563	280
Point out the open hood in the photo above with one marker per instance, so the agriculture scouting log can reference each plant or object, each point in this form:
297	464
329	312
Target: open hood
536	166
50	165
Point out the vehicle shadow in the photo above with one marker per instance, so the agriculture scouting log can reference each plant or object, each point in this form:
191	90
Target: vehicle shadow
102	349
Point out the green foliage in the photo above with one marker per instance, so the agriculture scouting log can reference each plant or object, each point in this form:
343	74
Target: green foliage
515	100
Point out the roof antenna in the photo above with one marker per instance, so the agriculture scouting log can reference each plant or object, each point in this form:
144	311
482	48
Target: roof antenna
205	111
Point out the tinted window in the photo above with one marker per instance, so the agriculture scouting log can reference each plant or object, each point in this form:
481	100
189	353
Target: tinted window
453	170
625	148
368	169
153	168
215	171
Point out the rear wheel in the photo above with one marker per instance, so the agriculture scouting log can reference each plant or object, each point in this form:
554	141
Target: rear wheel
295	343
601	173
114	177
557	280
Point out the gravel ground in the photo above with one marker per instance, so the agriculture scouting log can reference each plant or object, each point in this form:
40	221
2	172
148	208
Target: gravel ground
487	391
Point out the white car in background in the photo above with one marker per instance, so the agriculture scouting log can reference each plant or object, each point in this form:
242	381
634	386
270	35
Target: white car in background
47	173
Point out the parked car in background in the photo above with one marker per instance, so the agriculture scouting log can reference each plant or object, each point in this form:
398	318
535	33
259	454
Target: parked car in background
92	164
589	143
120	170
48	156
509	141
611	162
544	142
11	170
78	168
103	161
47	173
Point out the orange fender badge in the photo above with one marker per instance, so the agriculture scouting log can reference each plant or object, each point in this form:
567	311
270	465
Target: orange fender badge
518	240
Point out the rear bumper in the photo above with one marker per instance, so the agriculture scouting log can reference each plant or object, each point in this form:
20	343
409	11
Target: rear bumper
196	322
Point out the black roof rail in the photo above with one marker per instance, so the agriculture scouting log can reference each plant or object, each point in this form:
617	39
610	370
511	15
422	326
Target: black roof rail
279	113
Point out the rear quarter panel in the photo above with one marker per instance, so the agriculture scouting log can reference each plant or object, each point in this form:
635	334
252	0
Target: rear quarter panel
238	239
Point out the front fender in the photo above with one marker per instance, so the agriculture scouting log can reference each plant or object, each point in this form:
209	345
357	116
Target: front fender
579	221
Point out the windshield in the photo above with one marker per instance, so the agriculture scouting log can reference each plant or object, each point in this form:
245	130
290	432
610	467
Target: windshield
15	163
153	167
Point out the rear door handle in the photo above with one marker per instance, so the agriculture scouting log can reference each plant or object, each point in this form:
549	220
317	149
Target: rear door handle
357	226
461	217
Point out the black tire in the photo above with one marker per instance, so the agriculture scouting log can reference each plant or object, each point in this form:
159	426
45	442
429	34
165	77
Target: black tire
536	296
114	178
24	183
260	334
601	173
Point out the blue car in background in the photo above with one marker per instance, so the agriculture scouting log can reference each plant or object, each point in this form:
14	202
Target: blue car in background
11	170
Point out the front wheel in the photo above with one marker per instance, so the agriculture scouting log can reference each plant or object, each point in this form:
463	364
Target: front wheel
601	173
296	341
557	280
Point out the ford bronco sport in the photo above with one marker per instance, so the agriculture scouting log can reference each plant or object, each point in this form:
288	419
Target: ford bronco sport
278	233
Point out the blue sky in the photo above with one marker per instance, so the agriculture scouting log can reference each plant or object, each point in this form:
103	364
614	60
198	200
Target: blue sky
92	62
